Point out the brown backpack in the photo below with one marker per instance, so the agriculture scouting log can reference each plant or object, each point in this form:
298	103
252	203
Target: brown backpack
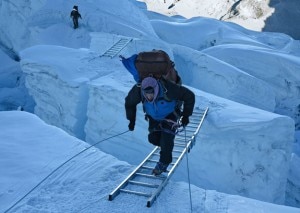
157	64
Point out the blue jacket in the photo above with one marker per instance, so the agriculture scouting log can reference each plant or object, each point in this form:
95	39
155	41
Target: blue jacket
160	107
164	105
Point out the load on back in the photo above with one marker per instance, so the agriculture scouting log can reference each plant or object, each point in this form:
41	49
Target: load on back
155	63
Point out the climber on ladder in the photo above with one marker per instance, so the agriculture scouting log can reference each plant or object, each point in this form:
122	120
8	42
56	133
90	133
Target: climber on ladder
159	98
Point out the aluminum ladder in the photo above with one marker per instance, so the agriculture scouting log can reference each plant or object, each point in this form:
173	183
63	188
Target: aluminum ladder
117	47
141	182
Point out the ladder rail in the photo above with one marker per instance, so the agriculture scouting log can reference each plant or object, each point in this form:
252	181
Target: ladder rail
130	176
172	170
193	138
154	196
201	122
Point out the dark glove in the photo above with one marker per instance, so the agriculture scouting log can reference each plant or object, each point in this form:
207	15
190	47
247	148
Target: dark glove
185	121
131	125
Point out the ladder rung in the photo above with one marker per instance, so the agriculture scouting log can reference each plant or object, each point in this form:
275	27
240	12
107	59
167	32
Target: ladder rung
181	134
197	116
143	184
189	130
179	144
194	121
147	167
149	176
187	137
182	139
192	128
178	151
135	192
154	161
193	124
200	112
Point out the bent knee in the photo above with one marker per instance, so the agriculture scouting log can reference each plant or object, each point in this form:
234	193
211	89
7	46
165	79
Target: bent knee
154	139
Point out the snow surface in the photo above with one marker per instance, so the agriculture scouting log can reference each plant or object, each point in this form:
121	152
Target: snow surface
243	149
33	151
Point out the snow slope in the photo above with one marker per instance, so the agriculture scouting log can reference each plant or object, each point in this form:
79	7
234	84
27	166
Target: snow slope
64	174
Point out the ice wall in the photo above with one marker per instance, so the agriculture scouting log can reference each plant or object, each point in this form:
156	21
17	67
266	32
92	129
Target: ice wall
283	80
55	84
212	75
13	93
293	183
244	150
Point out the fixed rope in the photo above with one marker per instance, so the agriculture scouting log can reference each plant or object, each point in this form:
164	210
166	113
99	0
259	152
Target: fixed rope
10	208
188	172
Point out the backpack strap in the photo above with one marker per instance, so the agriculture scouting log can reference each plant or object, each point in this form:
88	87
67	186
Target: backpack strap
164	90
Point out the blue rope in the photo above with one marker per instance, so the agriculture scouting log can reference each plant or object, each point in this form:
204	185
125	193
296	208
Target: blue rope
62	166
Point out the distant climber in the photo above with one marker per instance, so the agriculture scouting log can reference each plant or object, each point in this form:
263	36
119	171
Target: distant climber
173	4
75	15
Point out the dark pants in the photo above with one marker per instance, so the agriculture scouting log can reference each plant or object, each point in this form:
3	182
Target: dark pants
161	134
75	22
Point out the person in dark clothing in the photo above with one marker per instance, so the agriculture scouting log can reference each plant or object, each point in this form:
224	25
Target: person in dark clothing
75	15
159	98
